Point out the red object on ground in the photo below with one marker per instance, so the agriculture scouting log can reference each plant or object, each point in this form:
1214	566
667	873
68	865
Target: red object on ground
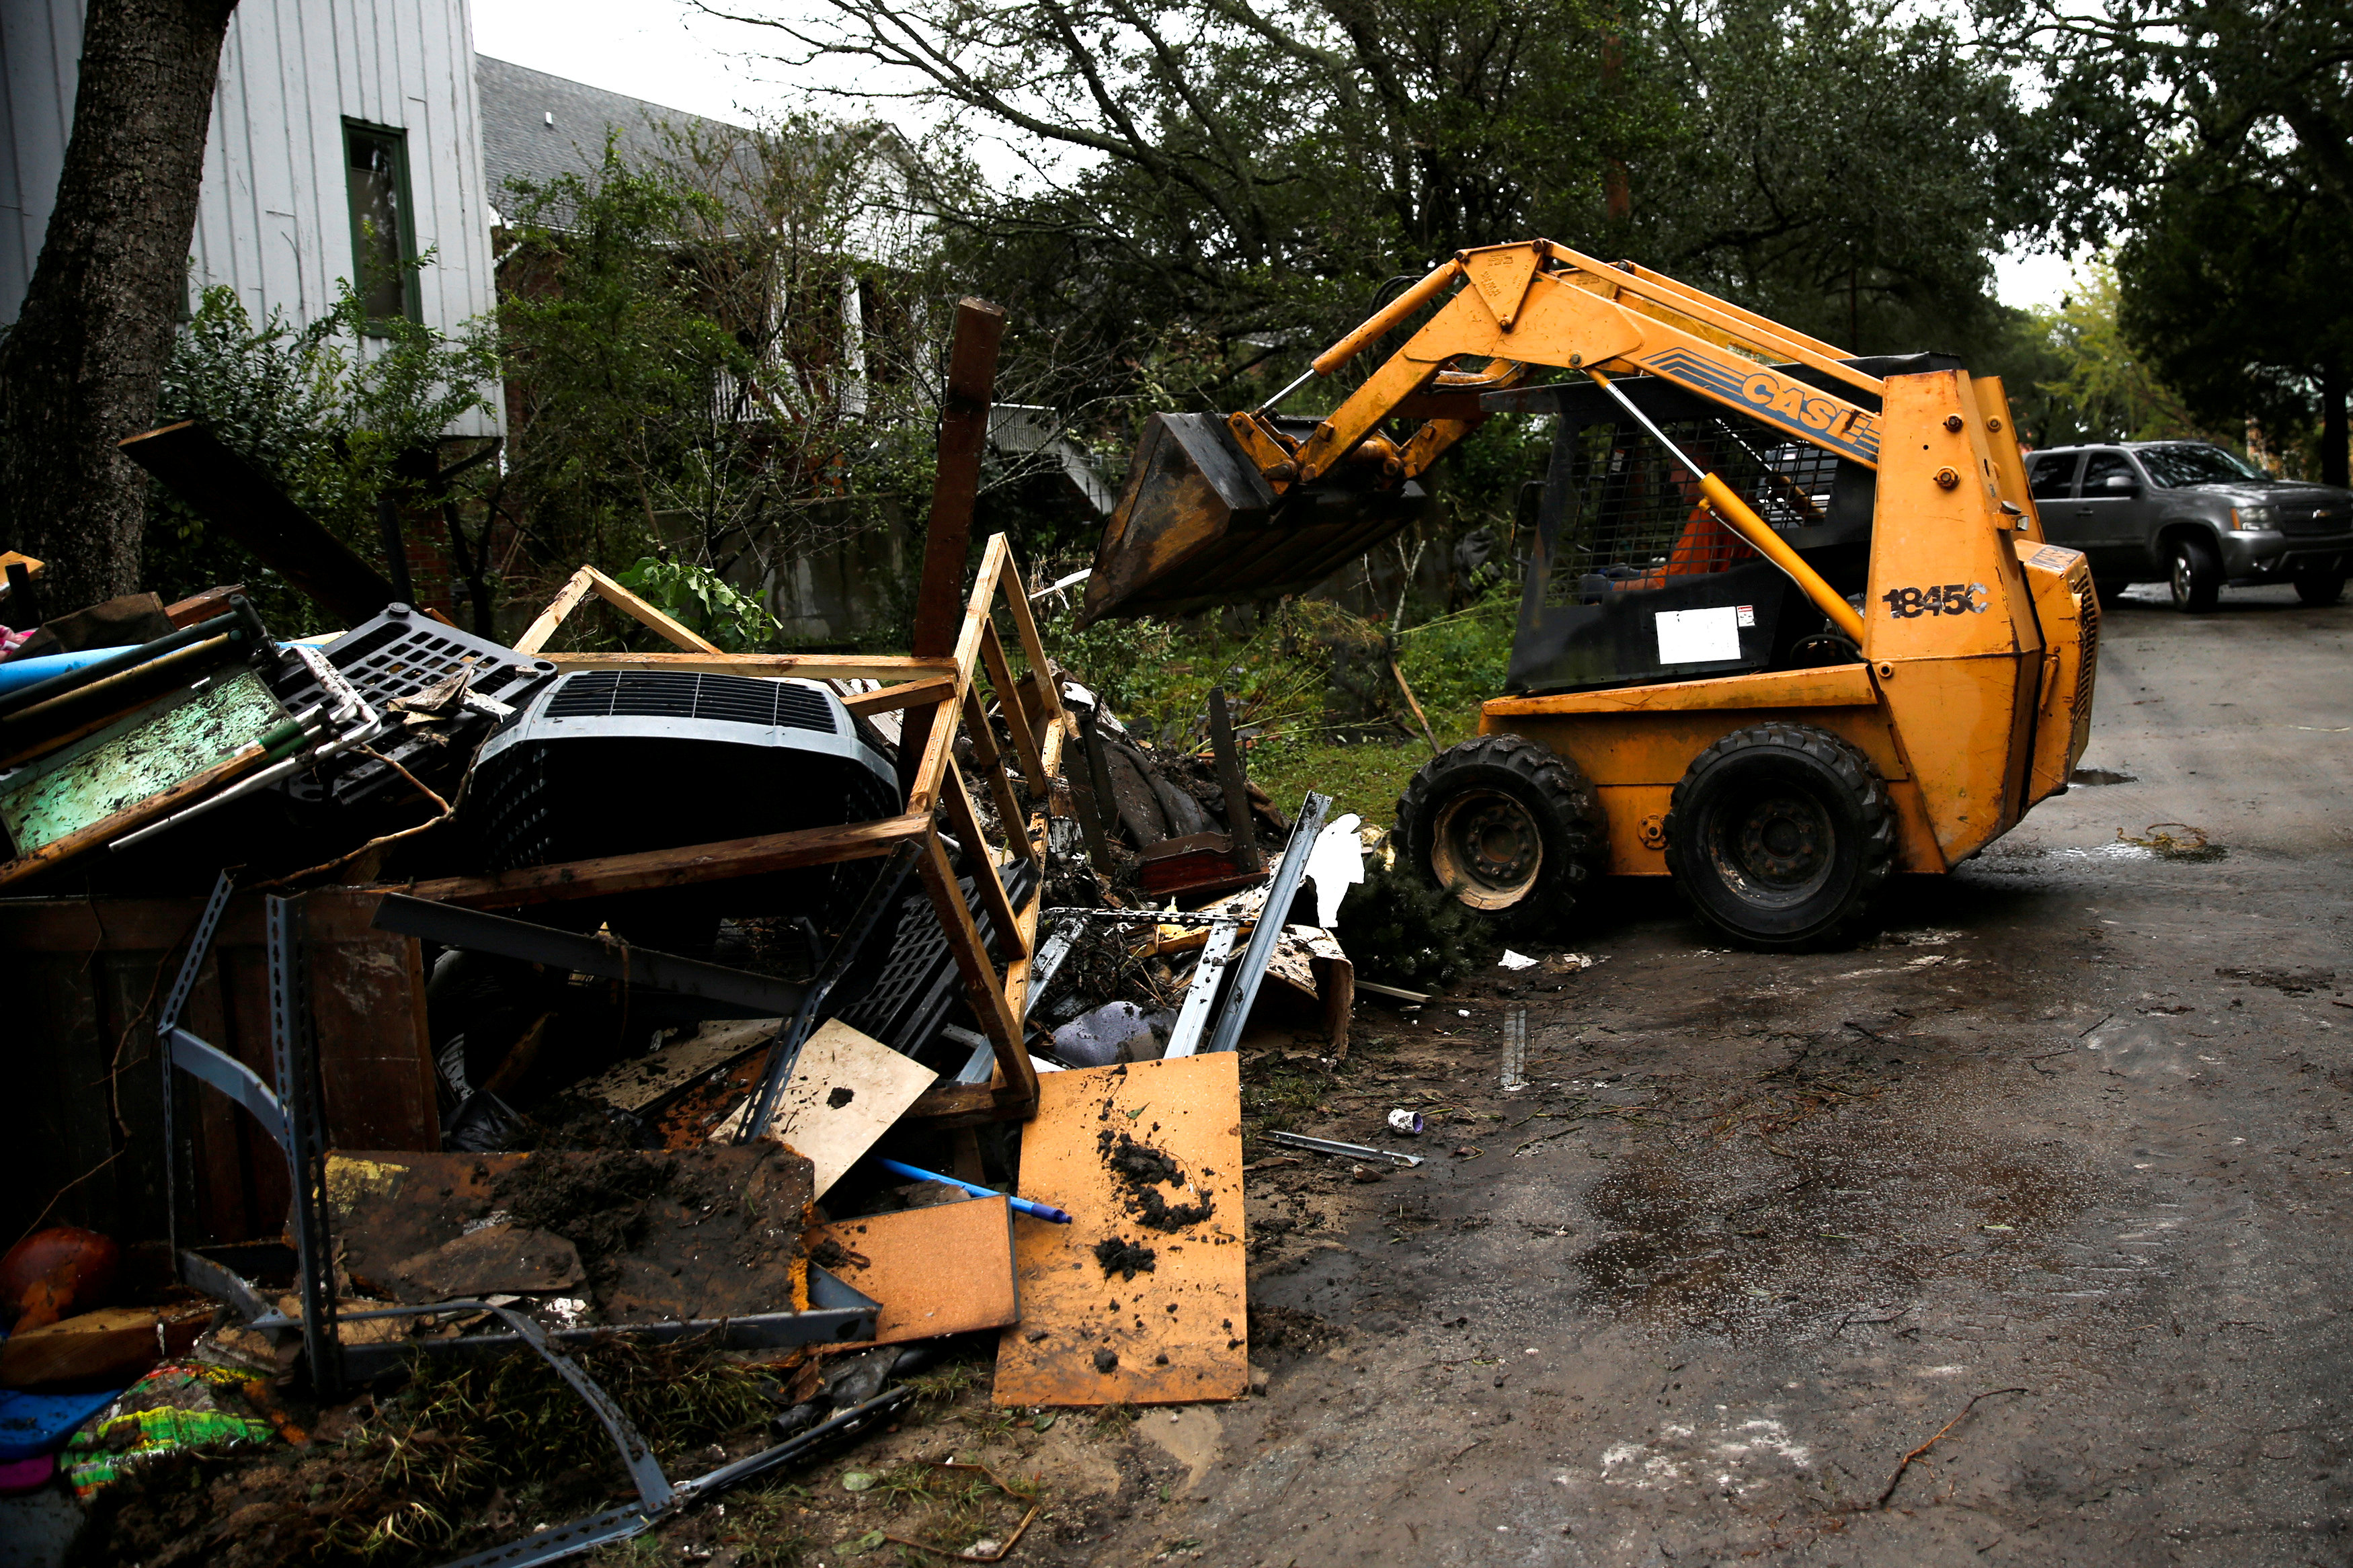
58	1273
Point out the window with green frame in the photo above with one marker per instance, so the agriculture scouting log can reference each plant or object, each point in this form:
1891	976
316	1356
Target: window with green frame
383	230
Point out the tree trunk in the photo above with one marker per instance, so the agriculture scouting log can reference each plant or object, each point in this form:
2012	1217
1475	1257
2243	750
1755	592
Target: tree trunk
2333	455
82	368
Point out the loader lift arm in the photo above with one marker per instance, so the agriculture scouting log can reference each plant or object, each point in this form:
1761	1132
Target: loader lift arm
1538	303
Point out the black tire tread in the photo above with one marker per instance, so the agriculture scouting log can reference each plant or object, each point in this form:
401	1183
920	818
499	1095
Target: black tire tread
1543	770
1862	780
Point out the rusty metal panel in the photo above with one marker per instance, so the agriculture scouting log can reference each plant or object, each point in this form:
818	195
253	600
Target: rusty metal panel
133	759
1142	1300
944	1270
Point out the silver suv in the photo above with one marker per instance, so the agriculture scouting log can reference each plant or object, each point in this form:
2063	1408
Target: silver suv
2192	515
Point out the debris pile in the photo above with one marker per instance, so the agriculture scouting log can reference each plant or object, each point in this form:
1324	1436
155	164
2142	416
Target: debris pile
529	1032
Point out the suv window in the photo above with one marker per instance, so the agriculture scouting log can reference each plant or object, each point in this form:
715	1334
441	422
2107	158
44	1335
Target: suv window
2049	477
2182	463
2098	466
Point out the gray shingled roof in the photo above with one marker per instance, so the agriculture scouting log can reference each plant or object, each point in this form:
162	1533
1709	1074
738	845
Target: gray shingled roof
519	140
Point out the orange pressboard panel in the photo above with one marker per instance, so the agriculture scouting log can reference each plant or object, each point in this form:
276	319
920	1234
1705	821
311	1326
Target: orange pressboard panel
944	1269
1176	1332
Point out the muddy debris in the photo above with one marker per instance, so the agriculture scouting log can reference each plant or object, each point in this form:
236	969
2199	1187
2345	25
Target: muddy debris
1143	1171
597	1203
1125	1257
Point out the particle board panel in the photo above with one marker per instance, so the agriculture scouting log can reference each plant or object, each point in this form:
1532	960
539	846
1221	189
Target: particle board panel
846	1091
1177	1332
944	1269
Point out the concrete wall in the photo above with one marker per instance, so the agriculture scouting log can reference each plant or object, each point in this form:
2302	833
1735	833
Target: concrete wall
273	221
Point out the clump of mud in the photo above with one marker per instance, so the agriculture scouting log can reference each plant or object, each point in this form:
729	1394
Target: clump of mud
1125	1257
597	1203
1143	1171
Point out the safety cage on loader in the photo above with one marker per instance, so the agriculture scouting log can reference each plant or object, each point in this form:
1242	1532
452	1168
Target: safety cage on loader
1634	580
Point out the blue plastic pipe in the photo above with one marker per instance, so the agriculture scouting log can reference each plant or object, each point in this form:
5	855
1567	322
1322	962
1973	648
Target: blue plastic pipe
1021	1206
19	673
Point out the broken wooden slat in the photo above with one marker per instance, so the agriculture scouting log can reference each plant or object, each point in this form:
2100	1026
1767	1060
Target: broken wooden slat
1240	827
1140	1351
233	496
1000	785
983	990
924	789
808	665
947	529
946	1268
676	868
567	598
986	879
1017	716
202	606
905	695
645	614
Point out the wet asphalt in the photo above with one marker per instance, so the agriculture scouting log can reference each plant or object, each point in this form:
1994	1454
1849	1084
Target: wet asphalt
2053	1179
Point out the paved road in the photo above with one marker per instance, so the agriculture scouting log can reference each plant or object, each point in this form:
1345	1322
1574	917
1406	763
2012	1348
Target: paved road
1760	1227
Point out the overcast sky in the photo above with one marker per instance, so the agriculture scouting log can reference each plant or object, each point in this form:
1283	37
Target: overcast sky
662	51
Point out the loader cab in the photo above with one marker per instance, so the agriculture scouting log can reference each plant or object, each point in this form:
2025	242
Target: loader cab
1634	581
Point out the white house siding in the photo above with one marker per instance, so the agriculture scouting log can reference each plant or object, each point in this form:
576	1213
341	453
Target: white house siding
273	221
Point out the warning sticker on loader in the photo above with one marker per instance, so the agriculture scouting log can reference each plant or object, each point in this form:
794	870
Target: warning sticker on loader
1940	599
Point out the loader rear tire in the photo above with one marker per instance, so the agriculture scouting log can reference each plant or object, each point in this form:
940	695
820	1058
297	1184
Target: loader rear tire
1780	836
1508	827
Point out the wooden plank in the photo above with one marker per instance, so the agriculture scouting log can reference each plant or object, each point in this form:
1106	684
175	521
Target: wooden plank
955	477
639	1081
202	606
645	614
808	665
1017	716
567	598
1051	714
983	990
923	793
233	496
1241	827
994	898
1178	1331
944	1270
847	1090
676	868
1000	786
905	695
948	529
367	1013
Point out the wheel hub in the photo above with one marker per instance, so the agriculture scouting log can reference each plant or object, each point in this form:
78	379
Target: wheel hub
1487	849
1777	846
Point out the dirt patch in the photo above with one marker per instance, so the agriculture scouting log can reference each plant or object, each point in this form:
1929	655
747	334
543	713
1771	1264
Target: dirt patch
597	1203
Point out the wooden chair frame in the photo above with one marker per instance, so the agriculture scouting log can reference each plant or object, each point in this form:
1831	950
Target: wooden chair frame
950	689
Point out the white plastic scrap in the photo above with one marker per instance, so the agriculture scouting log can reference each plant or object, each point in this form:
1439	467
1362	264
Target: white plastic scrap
1514	960
1335	865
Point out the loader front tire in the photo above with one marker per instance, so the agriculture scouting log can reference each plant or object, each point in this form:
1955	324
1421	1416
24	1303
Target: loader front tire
1508	827
1780	836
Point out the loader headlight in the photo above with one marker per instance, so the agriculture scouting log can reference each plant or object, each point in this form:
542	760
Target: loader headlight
2248	519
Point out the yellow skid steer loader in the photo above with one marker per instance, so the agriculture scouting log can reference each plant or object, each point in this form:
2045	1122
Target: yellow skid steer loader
1789	623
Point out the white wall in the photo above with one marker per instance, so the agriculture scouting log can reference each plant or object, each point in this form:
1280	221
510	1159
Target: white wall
273	220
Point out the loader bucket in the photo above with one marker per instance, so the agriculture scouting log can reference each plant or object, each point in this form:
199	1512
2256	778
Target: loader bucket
1198	525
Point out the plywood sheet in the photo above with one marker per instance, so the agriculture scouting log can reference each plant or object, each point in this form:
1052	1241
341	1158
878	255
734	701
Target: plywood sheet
1174	1332
641	1080
944	1269
846	1091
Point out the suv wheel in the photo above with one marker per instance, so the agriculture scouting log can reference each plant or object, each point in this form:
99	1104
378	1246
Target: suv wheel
2315	586
2196	576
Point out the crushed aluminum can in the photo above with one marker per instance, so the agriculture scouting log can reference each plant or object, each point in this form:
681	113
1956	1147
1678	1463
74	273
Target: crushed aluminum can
1405	1122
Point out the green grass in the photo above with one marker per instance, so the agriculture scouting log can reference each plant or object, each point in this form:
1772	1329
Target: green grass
1308	672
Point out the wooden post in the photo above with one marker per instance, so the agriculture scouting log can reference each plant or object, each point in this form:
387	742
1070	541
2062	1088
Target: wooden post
1240	827
956	486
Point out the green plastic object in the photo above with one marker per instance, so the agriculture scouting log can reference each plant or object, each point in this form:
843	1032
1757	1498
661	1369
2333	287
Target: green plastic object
138	756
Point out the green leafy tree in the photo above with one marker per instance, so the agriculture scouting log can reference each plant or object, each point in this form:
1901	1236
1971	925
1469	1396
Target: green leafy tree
2099	389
